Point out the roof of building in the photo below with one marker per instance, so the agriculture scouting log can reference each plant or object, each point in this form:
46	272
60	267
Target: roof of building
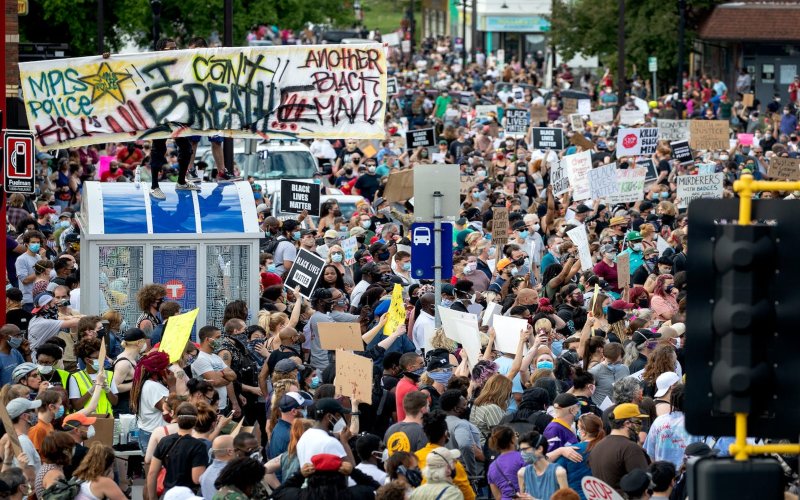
753	20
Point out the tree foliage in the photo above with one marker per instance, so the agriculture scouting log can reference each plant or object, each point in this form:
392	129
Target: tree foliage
589	27
75	21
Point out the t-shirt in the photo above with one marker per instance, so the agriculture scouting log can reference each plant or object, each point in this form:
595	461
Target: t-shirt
559	434
285	250
315	441
503	473
404	436
41	329
372	471
30	451
38	432
279	440
608	273
668	438
179	455
7	364
150	417
368	185
24	268
19	317
615	456
404	386
604	377
205	363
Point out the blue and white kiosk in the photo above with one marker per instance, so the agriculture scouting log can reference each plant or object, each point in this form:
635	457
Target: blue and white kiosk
203	246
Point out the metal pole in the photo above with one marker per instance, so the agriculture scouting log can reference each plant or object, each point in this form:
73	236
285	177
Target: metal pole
474	30
413	28
464	41
437	251
654	92
227	144
681	41
2	170
100	28
621	54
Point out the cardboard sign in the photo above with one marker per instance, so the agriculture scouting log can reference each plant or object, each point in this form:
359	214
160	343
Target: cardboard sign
305	272
649	166
544	138
682	152
631	117
508	329
784	168
297	196
517	122
602	116
576	122
8	424
569	106
673	130
353	376
709	134
584	106
603	181
538	114
499	226
581	141
103	429
397	311
345	336
623	270
595	489
483	110
748	100
463	328
692	187
421	138
391	86
581	240
399	186
578	166
648	136
176	334
630	186
467	182
629	142
559	179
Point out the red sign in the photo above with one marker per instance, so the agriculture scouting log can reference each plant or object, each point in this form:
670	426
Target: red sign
629	141
595	489
175	289
18	158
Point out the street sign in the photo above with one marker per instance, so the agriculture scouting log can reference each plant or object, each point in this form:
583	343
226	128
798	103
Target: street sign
423	254
447	181
652	64
18	156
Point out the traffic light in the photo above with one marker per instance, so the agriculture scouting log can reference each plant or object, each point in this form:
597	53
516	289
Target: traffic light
713	477
742	316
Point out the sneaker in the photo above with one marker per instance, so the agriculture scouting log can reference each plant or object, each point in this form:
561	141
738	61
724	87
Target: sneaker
187	187
158	194
225	177
191	176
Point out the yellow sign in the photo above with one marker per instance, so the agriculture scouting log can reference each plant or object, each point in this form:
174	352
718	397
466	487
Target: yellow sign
397	311
22	7
177	333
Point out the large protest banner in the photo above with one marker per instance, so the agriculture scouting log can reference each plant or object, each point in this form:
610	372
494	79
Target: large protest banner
578	166
630	185
691	187
283	91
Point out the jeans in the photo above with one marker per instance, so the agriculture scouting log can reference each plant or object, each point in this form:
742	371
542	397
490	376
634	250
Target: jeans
144	439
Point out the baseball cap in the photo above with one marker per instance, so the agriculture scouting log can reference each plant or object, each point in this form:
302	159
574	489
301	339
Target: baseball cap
45	210
642	335
504	262
441	457
331	233
287	365
41	300
326	462
80	418
358	231
292	400
329	405
608	249
133	334
633	236
700	449
180	493
306	232
18	406
565	400
625	411
582	209
22	370
448	289
635	482
665	381
262	208
617	221
621	304
438	359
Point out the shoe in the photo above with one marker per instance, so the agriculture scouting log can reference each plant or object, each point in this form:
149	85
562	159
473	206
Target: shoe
158	194
228	178
187	187
191	176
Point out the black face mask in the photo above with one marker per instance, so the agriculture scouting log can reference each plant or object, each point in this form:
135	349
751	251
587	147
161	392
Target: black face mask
356	160
348	171
383	256
360	239
337	213
667	220
413	376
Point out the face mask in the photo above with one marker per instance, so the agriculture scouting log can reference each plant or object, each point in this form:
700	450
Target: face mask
447	303
33	419
60	412
441	377
96	365
366	224
481	173
529	458
296	236
637	247
669	288
45	370
523	234
317	181
469	269
337	257
15	342
256	455
339	426
90	432
414	477
315	382
605	310
271	268
492	252
514	271
216	344
383	256
371	170
406	266
557	347
544	365
34	247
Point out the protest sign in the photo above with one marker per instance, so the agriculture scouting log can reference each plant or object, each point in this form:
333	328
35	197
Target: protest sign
595	489
397	311
282	91
345	336
648	137
576	122
349	247
745	139
673	130
682	152
631	117
661	245
399	186
603	181
629	142
784	168
9	424
499	226
483	110
421	138
548	138
623	270
558	178
630	186
463	328
353	376
538	114
602	116
584	106
517	122
507	329
391	86
748	100
578	166
467	182
492	308
692	187
177	333
647	164
305	272
297	196
706	168
569	106
582	141
391	39
709	134
581	240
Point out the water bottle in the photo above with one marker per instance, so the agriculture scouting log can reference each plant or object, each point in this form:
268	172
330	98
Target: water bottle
137	176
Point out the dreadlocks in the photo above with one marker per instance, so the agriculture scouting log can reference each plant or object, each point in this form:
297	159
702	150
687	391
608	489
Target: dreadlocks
152	365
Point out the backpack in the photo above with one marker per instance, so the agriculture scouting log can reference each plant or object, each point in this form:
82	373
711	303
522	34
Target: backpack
269	243
63	490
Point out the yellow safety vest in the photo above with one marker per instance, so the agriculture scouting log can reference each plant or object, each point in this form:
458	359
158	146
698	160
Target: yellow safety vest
85	384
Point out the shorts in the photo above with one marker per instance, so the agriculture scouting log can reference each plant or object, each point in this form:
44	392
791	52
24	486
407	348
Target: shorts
216	139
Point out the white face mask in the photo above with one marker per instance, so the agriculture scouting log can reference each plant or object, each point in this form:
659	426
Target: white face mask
339	425
90	432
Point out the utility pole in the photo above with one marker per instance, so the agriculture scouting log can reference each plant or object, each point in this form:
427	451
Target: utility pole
101	42
155	5
621	54
464	34
227	41
681	44
3	114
